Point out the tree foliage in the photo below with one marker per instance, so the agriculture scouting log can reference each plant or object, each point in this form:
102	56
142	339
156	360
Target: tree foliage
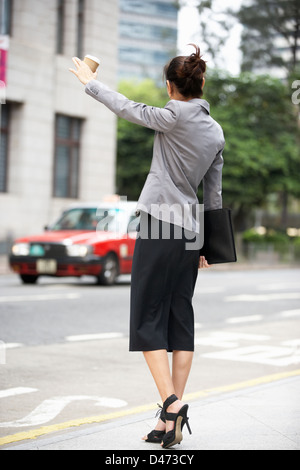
135	142
262	140
271	34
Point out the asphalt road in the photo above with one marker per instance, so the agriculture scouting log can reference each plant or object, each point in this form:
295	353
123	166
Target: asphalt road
64	343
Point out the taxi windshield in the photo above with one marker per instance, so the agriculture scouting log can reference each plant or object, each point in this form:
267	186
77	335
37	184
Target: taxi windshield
87	219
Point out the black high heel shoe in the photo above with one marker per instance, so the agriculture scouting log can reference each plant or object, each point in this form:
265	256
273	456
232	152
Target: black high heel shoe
155	436
180	419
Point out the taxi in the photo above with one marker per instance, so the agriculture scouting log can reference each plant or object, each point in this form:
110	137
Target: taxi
87	239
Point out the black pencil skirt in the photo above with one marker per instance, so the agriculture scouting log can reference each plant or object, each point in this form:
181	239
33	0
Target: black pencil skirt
163	278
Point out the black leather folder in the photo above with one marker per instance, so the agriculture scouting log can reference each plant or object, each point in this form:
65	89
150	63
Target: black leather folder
219	244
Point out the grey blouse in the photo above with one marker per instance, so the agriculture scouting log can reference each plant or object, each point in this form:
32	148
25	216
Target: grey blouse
188	148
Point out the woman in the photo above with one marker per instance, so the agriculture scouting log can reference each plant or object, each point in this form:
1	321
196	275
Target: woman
187	149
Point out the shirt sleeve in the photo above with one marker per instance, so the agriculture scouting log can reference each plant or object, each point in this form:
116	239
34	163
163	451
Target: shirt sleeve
212	184
158	119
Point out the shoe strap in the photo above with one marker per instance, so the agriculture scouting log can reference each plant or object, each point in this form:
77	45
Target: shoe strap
169	402
171	416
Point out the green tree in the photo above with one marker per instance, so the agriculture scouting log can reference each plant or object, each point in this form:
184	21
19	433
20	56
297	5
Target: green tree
135	143
270	36
262	140
270	28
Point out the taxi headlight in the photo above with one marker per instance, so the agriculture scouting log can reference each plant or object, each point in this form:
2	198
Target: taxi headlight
20	249
78	250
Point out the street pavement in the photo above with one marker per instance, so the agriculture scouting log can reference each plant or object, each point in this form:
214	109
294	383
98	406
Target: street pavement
264	416
67	380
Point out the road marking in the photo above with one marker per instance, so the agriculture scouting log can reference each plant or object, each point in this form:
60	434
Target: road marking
227	339
38	297
13	345
259	354
279	286
294	343
35	433
262	297
209	289
244	319
290	313
49	409
241	385
221	339
92	337
12	392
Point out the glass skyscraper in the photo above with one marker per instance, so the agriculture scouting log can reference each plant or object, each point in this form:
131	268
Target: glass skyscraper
147	37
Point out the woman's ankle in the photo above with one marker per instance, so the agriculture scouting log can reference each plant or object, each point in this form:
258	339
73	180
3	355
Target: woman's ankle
160	426
175	406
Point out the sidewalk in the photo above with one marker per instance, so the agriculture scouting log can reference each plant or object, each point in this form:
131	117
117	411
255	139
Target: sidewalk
262	417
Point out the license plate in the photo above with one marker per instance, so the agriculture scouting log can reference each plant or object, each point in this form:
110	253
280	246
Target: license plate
46	266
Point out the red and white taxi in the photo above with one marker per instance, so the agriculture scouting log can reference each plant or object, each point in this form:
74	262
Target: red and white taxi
88	239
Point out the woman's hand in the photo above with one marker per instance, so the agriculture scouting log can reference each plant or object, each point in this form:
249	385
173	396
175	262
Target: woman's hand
203	263
83	71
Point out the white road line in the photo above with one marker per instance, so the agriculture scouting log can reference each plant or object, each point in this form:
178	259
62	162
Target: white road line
227	339
209	289
92	337
290	313
244	319
258	354
49	409
38	297
88	337
292	343
279	286
12	392
13	345
262	297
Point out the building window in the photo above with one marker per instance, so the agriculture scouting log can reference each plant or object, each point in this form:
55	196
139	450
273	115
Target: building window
4	147
164	8
80	28
67	147
60	26
5	17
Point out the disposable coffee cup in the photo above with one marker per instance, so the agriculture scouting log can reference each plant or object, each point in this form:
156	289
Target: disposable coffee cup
92	62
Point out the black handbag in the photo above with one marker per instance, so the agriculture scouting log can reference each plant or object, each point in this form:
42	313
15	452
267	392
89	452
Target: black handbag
219	244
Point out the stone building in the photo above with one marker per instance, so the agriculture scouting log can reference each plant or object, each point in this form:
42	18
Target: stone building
57	144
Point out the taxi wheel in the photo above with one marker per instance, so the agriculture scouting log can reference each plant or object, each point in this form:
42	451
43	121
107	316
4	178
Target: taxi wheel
110	271
28	279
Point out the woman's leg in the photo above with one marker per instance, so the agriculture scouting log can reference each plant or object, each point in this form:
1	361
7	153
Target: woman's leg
158	364
181	367
167	385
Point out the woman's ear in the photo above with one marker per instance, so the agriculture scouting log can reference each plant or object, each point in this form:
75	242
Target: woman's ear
203	83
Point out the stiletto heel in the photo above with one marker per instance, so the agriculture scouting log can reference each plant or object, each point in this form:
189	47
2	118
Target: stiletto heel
180	419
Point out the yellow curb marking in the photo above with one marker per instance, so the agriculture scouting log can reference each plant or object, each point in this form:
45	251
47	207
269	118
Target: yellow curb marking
21	436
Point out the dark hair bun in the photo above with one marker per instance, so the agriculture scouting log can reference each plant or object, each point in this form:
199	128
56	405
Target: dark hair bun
187	73
194	66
